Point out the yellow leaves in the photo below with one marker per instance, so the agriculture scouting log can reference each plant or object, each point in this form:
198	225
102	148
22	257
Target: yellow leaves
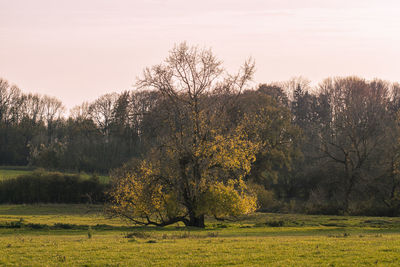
172	206
192	174
229	152
138	193
230	199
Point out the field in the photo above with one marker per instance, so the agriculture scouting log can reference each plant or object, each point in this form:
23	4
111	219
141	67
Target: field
9	172
60	235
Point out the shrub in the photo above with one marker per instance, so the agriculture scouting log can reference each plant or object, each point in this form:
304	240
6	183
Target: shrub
265	198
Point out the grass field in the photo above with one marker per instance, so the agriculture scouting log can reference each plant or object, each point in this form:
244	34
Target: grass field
9	172
40	235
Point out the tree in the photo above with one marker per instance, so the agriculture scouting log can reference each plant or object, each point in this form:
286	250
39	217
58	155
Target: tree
353	138
102	111
197	164
268	122
53	110
10	103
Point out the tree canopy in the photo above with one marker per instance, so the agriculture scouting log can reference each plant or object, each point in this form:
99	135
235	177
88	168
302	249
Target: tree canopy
198	164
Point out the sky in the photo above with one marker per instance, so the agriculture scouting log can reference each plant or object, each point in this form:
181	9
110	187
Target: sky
77	50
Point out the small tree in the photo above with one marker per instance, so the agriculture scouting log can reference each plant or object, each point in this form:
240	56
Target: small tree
198	162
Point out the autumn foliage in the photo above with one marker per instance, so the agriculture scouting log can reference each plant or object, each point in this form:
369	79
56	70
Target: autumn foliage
198	164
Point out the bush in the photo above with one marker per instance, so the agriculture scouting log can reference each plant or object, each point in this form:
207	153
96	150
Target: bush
51	187
319	203
265	198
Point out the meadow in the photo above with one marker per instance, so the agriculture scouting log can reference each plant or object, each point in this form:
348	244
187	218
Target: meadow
81	235
9	172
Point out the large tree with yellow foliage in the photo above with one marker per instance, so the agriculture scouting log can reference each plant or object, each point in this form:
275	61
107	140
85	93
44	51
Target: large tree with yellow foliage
197	164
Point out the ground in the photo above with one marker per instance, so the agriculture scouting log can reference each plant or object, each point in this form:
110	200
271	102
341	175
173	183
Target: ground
54	235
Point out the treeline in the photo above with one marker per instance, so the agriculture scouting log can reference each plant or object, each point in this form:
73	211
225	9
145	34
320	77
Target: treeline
95	137
333	148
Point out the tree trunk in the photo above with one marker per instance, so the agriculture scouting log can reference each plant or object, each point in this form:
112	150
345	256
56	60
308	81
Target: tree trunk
195	221
348	192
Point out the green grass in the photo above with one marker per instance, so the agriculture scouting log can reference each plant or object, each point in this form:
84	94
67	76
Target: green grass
103	178
258	240
9	172
114	249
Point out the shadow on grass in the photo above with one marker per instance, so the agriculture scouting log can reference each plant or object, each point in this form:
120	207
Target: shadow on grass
21	224
180	232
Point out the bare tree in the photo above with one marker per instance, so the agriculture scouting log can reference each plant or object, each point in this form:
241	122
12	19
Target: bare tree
102	111
53	110
33	108
357	128
81	112
10	102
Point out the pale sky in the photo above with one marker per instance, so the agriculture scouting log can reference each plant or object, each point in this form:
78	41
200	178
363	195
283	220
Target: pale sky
78	50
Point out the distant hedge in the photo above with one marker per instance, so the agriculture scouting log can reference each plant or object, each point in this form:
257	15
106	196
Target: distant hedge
51	187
